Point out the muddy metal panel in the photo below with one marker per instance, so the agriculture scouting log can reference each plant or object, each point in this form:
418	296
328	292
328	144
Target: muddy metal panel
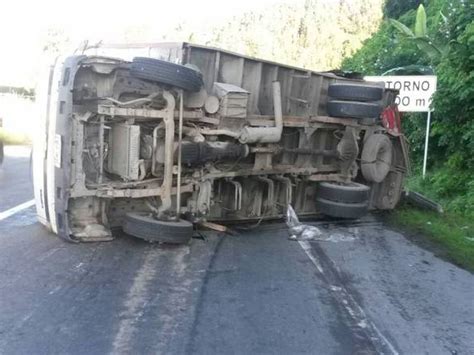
304	92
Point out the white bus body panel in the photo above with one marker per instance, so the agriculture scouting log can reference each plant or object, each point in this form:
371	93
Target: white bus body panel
45	151
40	144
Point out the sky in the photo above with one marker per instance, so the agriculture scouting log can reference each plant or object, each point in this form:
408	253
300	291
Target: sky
24	25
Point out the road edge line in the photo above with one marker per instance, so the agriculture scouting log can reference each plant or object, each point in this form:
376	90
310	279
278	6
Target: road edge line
10	212
352	307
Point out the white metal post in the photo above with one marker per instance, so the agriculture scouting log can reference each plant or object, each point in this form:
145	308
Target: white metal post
425	158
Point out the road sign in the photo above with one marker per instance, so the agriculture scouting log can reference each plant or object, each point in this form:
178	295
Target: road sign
415	95
415	91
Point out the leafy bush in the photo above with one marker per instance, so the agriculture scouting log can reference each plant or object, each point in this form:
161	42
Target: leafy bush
453	129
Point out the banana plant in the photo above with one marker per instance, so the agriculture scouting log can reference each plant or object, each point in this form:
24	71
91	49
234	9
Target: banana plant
420	35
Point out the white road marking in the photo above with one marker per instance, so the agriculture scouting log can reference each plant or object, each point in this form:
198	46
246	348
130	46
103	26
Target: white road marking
136	300
175	301
307	249
16	209
352	307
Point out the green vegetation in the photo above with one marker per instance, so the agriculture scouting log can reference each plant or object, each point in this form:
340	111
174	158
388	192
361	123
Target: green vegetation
424	41
453	230
450	231
13	138
442	38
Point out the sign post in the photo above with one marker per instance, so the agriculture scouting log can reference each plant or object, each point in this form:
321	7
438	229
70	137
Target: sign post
425	155
415	95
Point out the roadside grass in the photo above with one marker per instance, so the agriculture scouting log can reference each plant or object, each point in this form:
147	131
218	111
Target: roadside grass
11	138
452	232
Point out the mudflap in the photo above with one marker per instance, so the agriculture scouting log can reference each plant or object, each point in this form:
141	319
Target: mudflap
386	194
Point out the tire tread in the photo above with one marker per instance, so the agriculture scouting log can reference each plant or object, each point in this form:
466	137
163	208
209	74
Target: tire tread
342	210
167	73
354	109
355	92
147	228
348	193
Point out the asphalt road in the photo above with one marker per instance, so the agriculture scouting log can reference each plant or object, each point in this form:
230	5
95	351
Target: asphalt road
369	290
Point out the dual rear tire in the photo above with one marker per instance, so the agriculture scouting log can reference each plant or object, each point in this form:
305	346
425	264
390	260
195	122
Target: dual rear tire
351	100
343	200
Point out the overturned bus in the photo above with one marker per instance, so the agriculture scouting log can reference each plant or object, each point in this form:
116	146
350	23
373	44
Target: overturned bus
155	138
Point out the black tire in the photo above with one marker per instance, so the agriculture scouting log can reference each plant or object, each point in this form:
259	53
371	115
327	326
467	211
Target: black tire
376	157
352	192
144	226
341	209
355	92
353	109
167	73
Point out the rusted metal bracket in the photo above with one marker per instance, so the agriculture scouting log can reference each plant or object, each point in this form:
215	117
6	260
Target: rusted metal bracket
270	202
237	194
169	151
289	187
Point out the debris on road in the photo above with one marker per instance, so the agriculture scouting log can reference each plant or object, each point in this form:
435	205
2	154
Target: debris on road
299	231
216	227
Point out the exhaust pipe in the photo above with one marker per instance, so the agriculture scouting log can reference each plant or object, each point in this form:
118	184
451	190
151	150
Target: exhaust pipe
266	134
